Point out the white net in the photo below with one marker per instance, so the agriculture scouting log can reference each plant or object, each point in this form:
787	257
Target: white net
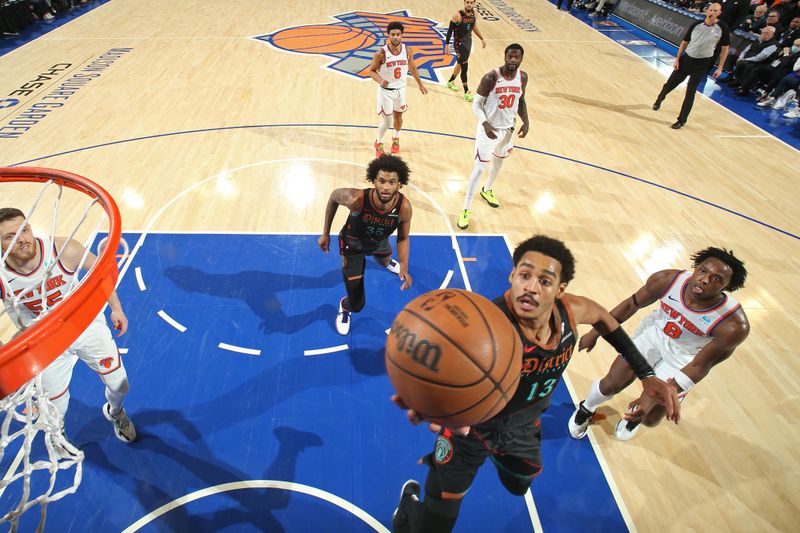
25	414
39	465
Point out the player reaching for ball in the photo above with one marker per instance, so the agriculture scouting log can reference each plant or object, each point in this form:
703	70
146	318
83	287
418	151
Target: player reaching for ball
375	213
546	318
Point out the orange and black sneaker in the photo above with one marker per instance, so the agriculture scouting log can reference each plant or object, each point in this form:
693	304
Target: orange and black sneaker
395	145
379	150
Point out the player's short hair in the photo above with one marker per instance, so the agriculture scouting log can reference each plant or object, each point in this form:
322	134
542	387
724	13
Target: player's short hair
726	256
388	163
514	46
7	213
551	248
395	26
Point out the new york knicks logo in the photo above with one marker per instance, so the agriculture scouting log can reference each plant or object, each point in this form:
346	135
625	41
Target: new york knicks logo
106	363
356	36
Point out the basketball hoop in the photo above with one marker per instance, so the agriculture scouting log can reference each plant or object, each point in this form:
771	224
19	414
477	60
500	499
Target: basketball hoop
24	410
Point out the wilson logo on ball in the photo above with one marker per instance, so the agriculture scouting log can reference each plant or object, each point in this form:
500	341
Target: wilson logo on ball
422	351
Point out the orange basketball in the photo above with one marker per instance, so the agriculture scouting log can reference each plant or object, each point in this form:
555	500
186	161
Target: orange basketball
454	357
323	39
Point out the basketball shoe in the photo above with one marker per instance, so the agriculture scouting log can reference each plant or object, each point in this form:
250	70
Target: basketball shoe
626	430
63	448
468	96
490	198
379	150
463	220
409	495
393	267
395	145
579	422
452	86
123	427
342	320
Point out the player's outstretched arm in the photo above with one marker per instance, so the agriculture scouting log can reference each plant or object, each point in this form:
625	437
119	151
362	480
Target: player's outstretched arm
522	111
651	291
412	68
348	197
403	246
586	311
71	255
416	419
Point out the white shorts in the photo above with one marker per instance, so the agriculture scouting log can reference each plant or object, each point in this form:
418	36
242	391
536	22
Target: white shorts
95	347
391	101
500	147
652	344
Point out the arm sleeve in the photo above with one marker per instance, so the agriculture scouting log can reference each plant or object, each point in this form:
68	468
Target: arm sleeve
450	31
477	108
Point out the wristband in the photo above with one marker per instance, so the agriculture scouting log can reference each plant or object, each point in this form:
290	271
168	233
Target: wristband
683	381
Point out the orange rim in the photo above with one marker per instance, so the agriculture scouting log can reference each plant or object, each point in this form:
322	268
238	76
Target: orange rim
36	347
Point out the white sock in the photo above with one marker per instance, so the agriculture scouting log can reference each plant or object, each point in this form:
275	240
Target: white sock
496	164
595	398
472	184
396	134
382	127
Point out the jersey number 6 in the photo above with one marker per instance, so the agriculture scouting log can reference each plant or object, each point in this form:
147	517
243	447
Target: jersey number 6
397	73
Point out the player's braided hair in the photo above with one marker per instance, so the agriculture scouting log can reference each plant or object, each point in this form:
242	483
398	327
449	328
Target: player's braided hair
551	248
726	256
388	163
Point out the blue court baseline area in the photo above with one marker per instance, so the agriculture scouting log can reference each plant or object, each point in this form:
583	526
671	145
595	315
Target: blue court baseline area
208	416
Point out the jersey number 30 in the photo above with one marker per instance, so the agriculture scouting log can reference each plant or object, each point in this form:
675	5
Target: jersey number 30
507	101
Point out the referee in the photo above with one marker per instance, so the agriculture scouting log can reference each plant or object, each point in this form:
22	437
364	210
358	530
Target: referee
695	57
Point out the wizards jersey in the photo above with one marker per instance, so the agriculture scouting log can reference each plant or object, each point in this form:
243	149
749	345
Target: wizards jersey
542	365
364	231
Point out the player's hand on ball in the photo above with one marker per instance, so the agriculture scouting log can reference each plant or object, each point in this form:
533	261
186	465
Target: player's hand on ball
416	419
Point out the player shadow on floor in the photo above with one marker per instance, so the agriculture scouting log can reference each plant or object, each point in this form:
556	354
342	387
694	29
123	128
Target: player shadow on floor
245	506
629	110
257	289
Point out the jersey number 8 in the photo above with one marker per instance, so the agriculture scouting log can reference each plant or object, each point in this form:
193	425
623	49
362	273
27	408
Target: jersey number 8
672	330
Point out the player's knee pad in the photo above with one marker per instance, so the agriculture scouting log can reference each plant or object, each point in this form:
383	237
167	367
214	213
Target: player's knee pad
464	68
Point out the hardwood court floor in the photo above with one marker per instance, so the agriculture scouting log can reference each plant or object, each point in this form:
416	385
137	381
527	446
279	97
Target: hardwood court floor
196	97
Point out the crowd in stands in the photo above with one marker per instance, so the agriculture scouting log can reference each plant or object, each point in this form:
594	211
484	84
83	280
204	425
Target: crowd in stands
16	15
769	68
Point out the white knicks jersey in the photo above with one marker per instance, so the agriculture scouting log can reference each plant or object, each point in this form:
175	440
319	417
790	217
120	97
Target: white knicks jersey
683	328
394	69
29	286
503	101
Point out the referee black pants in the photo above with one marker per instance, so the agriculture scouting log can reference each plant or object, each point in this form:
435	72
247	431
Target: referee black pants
695	70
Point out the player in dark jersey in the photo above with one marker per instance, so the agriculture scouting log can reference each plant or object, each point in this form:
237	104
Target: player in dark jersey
546	317
375	213
463	23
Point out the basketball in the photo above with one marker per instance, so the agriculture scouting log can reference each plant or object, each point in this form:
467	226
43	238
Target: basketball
453	357
323	39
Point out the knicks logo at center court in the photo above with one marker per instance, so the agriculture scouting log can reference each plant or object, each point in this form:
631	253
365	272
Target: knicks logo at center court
353	40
